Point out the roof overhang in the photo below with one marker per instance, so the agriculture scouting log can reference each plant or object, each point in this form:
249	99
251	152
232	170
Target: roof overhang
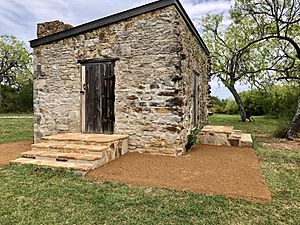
120	17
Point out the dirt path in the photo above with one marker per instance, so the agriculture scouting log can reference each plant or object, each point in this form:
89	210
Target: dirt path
229	171
11	151
283	144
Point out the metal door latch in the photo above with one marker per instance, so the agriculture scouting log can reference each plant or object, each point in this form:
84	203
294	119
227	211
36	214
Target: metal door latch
83	89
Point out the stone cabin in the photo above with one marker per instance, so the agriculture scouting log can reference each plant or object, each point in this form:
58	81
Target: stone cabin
142	72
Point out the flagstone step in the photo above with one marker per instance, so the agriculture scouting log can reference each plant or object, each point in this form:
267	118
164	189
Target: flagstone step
69	147
62	155
246	140
82	167
223	135
218	129
81	152
87	139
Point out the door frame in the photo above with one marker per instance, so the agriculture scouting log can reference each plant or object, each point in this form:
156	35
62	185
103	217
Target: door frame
82	98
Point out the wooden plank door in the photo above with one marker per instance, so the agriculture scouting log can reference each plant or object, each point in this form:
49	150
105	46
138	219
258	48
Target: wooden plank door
99	98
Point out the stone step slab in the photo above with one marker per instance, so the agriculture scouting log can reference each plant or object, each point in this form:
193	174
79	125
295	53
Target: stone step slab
223	135
62	155
69	147
237	132
83	139
81	152
246	140
82	167
218	129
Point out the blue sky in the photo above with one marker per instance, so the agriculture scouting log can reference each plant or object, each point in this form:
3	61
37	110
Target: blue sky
19	17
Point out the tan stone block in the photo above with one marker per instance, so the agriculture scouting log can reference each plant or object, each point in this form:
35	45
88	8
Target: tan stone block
63	127
236	136
210	139
110	155
218	129
159	143
128	25
162	110
221	139
201	139
124	146
83	167
237	132
137	109
132	97
174	129
246	140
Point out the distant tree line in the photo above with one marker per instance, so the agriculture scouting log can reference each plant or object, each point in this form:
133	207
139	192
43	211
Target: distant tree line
277	101
17	99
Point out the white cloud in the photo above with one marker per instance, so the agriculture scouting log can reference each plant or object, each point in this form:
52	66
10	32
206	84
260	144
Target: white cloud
19	18
196	10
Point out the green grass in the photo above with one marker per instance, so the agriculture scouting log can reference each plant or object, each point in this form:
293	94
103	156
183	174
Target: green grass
262	125
12	130
32	195
42	196
16	114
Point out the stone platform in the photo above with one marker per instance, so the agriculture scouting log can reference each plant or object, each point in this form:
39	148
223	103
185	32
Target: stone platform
80	152
224	135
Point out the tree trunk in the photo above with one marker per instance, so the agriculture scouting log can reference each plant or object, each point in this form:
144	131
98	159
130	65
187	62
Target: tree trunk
239	102
295	126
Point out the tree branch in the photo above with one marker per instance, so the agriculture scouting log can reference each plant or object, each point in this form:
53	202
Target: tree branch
295	45
288	78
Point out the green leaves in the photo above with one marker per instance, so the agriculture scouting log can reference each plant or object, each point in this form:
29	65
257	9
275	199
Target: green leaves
260	45
15	61
278	20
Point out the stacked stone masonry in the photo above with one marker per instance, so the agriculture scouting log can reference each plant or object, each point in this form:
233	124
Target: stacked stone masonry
48	28
224	135
158	58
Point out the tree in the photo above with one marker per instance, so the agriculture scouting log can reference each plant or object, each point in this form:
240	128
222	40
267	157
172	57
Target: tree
224	47
218	105
15	62
273	20
232	63
277	21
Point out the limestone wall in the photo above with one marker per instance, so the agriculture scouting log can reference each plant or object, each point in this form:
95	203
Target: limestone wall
195	62
152	81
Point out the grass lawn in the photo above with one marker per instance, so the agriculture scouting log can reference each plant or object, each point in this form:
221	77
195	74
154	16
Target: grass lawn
32	195
262	125
16	114
12	130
